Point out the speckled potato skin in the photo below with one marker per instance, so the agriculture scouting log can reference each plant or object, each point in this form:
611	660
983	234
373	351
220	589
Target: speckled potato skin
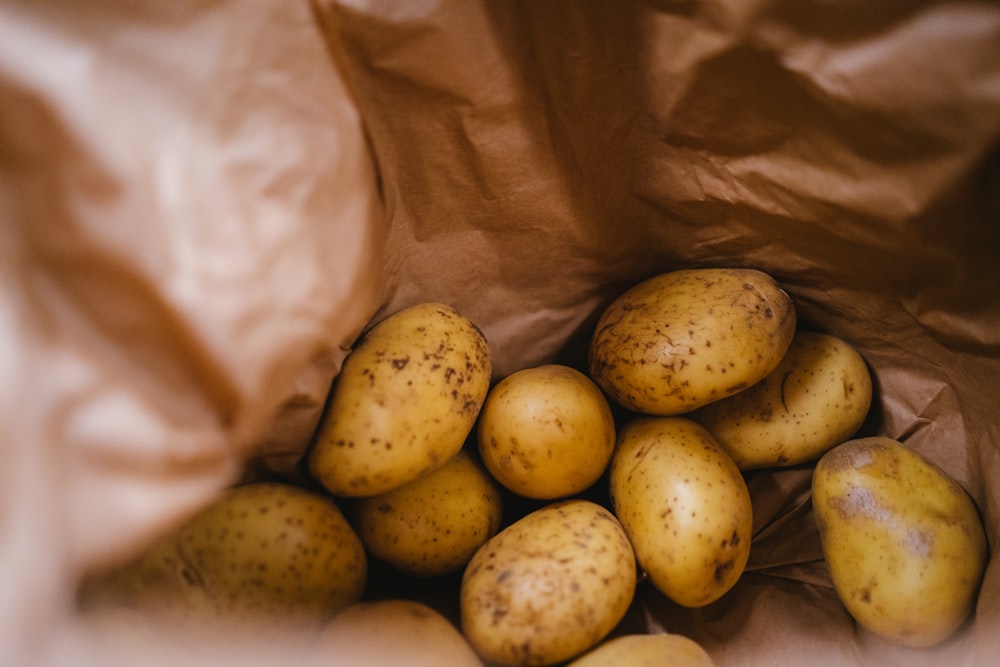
392	633
656	650
549	586
433	525
270	555
904	542
683	339
404	402
817	397
546	432
684	505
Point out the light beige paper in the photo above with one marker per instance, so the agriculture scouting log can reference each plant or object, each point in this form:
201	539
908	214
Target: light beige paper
203	204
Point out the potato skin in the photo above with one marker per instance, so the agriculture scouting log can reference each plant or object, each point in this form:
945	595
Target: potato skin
433	525
655	650
684	506
546	432
549	586
683	339
271	555
816	398
393	633
404	402
904	542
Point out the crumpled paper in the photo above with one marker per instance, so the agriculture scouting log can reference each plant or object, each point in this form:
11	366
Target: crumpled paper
204	204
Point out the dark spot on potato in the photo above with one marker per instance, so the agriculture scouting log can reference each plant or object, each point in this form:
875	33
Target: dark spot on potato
866	595
400	364
721	569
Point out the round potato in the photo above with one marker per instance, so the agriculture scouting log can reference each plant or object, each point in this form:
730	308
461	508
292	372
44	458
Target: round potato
546	432
434	524
657	650
683	339
549	586
904	542
684	505
405	401
268	554
396	633
817	397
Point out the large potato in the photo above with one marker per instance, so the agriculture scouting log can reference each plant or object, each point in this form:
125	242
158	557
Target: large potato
546	432
656	650
404	402
904	542
434	524
817	397
549	586
268	554
683	339
684	505
392	633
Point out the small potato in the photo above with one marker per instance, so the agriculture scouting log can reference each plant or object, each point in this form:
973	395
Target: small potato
659	650
683	339
546	432
684	506
405	401
817	397
434	524
904	542
392	633
268	554
549	586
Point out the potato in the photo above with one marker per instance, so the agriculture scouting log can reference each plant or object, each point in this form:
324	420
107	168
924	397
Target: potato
684	505
546	432
269	554
392	633
904	542
404	402
549	586
683	339
817	397
433	525
657	650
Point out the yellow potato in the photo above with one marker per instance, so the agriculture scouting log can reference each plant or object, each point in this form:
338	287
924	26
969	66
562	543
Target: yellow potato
434	524
683	339
549	586
817	397
546	432
684	505
392	633
268	554
904	542
404	402
658	650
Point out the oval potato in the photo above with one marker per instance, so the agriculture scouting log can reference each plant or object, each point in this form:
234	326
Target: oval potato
817	397
549	586
904	542
405	401
434	524
392	633
546	432
684	505
655	650
683	339
269	554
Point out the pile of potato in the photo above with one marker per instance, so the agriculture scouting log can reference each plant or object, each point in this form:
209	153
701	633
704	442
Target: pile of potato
418	452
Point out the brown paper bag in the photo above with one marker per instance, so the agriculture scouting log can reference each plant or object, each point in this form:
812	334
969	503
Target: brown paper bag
204	204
